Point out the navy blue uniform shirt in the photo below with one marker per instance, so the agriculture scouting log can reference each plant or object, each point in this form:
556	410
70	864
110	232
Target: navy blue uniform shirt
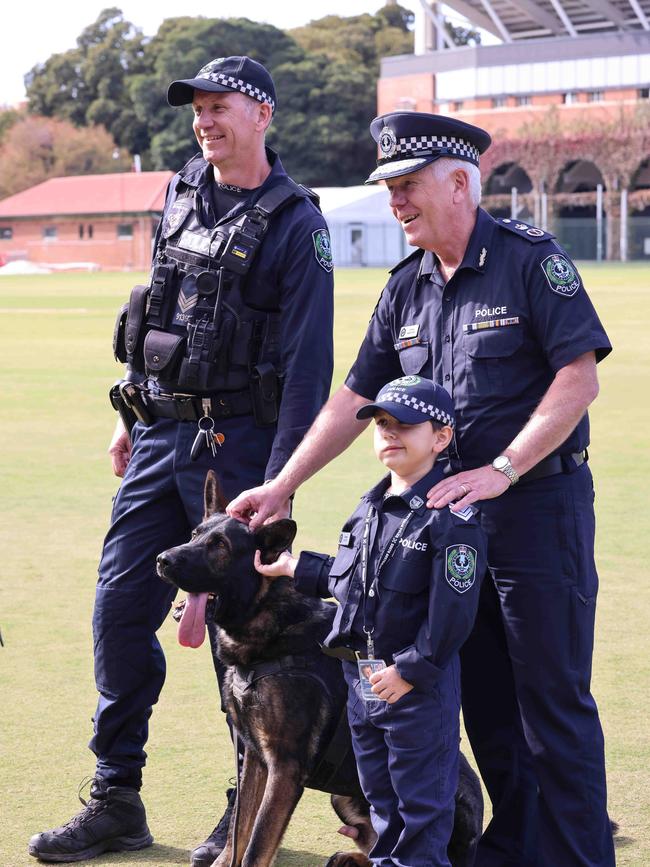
288	267
427	593
495	335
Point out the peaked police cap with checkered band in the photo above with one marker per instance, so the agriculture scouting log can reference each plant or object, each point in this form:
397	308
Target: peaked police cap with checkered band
410	140
225	74
412	400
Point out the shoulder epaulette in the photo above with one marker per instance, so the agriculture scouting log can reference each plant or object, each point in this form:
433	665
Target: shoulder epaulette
465	514
524	230
310	194
415	255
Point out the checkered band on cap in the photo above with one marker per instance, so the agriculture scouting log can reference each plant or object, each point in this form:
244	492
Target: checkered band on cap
414	403
452	145
236	84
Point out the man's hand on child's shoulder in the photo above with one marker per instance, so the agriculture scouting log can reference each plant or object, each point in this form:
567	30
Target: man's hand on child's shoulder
389	685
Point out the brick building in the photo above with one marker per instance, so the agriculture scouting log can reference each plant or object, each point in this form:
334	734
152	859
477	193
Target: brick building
586	63
107	220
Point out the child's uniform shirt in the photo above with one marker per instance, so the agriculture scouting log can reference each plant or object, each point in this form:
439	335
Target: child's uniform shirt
423	602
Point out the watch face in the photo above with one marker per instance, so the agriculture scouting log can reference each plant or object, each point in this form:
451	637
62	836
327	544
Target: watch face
500	462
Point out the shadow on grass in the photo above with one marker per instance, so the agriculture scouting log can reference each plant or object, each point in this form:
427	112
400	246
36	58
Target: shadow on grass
300	858
153	856
622	842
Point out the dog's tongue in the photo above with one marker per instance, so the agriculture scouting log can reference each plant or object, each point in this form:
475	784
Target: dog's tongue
191	629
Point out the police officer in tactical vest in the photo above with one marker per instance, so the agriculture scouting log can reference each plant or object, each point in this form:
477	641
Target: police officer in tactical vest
228	352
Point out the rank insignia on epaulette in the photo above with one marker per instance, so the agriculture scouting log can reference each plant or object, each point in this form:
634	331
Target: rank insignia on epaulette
466	513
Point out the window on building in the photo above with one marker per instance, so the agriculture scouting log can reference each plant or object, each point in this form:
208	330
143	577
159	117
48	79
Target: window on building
6	233
644	93
125	230
49	232
499	102
522	100
569	98
90	231
595	96
81	231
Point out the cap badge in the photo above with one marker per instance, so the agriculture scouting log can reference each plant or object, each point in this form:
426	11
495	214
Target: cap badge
387	141
406	380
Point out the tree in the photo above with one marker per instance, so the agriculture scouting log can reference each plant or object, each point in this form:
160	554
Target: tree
88	84
38	148
325	75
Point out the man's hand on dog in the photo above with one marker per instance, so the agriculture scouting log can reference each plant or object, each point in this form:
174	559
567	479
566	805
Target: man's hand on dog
389	685
284	566
258	506
120	449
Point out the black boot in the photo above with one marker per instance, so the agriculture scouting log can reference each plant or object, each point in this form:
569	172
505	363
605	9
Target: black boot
113	820
210	849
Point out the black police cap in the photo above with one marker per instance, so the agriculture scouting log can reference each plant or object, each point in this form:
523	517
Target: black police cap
238	73
410	140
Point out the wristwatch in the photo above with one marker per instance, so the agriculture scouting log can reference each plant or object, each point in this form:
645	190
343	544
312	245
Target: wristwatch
502	464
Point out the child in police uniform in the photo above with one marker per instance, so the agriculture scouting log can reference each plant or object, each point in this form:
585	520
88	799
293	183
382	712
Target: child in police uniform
407	580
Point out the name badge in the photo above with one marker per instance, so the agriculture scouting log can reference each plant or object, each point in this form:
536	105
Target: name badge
345	539
408	331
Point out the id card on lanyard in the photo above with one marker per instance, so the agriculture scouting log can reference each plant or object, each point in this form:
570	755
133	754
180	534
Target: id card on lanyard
370	591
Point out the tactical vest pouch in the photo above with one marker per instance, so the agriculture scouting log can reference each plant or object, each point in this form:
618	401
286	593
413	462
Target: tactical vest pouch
134	330
162	353
161	295
265	394
119	334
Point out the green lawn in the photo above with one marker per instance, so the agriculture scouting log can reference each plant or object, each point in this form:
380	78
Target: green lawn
56	494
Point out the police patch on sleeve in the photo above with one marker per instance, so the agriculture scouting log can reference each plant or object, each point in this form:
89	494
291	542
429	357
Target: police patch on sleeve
460	567
560	275
323	249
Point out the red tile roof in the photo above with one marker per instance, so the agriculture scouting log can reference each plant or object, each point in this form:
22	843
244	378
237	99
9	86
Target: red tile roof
123	193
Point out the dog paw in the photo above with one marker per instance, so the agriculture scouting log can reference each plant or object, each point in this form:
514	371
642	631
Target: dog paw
348	859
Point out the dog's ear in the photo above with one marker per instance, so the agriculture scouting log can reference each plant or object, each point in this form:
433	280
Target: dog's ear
214	501
273	539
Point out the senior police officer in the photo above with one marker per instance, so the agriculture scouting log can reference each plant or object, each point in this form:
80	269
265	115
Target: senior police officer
229	358
496	311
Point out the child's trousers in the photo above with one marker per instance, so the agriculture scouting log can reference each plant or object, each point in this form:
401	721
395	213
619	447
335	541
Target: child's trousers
407	755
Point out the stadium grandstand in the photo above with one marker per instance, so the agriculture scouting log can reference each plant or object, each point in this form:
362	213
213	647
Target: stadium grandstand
563	86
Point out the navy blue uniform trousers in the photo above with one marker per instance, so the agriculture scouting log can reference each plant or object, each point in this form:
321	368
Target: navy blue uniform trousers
407	757
158	504
526	670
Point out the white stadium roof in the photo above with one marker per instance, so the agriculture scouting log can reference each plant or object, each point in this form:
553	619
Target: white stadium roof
513	20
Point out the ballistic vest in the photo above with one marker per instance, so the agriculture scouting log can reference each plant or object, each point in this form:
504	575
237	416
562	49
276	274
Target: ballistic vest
206	323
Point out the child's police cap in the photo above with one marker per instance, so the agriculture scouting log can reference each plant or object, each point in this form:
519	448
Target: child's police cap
412	400
238	73
410	140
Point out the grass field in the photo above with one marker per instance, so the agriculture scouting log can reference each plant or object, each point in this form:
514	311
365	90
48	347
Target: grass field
56	484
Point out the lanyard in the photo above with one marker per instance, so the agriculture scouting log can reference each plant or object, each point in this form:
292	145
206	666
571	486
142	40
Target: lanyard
370	592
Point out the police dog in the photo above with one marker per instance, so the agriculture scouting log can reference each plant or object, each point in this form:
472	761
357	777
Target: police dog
285	697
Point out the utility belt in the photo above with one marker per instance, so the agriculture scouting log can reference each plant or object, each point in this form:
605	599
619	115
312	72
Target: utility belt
261	400
188	407
554	465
